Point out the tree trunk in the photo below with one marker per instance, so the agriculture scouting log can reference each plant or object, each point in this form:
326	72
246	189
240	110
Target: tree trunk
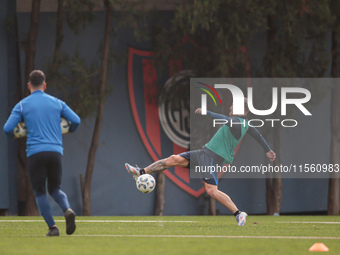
97	127
26	200
269	192
212	206
277	181
21	182
271	34
274	185
30	47
59	35
160	198
334	186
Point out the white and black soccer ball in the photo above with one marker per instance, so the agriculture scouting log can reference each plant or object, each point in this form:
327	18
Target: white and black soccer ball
20	130
65	126
146	183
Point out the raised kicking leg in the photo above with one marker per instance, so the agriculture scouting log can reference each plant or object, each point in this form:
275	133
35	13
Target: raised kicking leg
225	200
158	166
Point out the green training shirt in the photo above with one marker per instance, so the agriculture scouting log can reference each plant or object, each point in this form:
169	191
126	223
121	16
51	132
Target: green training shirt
223	142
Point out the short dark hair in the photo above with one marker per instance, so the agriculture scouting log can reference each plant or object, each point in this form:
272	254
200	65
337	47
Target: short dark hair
37	78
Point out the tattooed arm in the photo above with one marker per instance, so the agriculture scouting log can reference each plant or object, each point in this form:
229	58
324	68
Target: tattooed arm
156	167
162	164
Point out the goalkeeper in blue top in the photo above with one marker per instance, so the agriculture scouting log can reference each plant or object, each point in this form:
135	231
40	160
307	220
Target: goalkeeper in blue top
219	150
41	114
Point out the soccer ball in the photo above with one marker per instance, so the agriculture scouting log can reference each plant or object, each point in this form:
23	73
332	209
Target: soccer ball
146	183
65	126
20	130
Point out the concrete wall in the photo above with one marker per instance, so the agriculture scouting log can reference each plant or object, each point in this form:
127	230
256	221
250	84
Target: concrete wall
4	197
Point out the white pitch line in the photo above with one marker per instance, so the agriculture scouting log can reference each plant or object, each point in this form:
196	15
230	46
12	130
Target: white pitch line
106	221
309	222
200	236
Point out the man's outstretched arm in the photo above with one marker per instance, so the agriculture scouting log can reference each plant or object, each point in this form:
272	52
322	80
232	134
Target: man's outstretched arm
235	129
253	132
213	114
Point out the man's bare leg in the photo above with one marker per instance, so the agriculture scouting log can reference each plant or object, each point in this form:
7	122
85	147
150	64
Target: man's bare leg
221	197
225	200
158	166
162	164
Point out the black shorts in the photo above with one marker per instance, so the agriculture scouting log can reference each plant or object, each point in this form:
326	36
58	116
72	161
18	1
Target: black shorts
204	157
44	166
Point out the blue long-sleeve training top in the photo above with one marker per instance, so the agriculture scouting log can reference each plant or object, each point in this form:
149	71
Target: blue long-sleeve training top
41	114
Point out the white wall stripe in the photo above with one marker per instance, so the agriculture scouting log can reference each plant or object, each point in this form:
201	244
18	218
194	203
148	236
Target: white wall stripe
226	237
309	222
106	221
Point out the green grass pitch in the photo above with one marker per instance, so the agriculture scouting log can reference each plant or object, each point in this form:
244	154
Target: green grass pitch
172	235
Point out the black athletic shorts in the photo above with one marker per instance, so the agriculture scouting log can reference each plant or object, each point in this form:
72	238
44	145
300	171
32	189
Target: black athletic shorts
44	166
204	157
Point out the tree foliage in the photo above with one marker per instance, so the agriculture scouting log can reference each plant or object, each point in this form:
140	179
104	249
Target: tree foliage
208	36
297	42
72	76
79	14
77	85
